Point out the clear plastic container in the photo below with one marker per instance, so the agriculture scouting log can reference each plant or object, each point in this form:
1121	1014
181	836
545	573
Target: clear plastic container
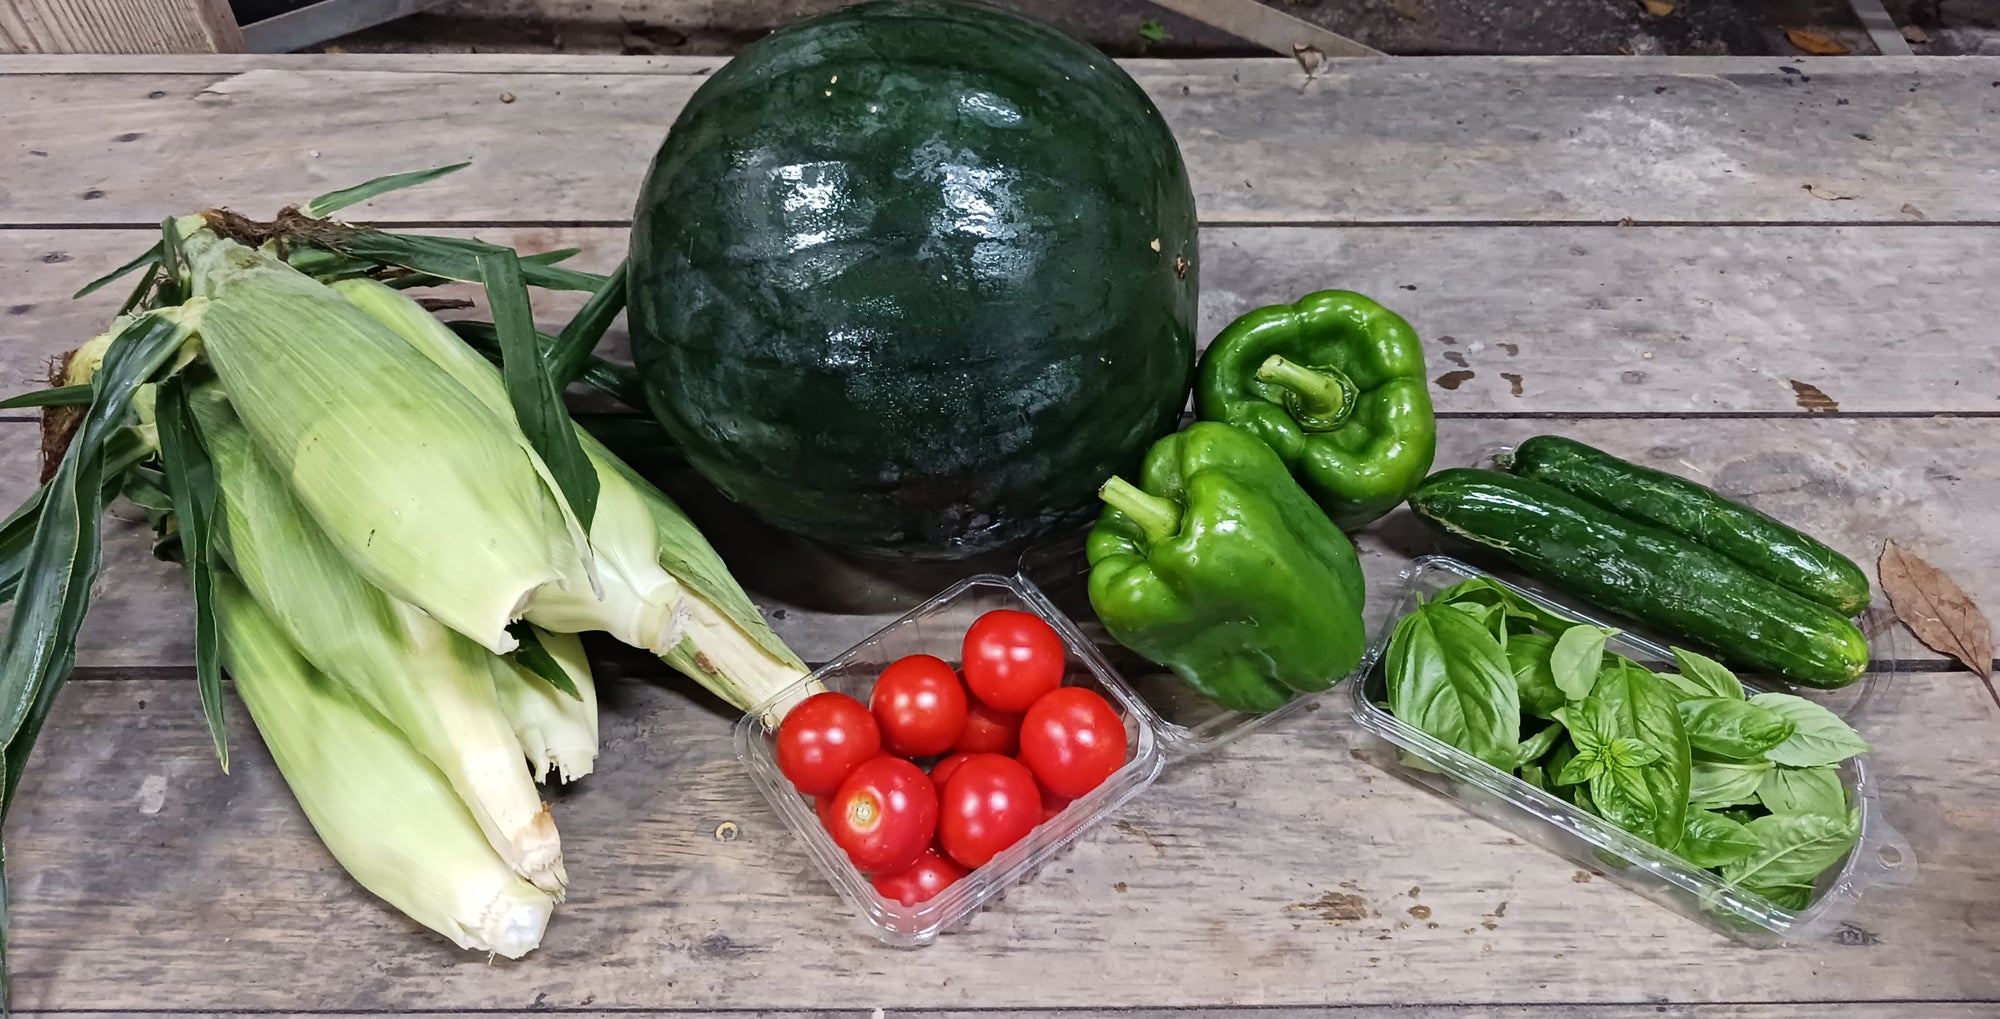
937	627
1188	721
1880	856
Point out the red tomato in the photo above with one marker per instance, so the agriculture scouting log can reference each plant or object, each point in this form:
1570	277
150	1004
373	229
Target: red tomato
941	771
932	873
990	803
1072	740
823	739
988	731
1011	658
823	807
1052	805
884	815
920	705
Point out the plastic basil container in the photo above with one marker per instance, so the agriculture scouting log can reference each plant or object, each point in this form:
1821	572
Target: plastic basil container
1188	721
1880	856
937	627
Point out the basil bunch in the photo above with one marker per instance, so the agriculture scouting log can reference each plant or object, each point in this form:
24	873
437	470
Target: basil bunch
1746	786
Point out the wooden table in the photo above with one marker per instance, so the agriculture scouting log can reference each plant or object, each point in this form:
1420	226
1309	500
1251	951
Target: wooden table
1669	257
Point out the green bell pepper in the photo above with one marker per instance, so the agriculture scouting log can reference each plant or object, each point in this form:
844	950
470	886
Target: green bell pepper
1220	567
1335	384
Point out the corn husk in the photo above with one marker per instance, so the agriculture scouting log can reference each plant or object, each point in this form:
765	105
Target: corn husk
385	812
434	685
640	603
558	732
417	483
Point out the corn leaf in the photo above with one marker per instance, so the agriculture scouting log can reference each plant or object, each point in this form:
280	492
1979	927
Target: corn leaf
191	482
147	259
453	258
63	558
140	291
535	658
572	349
538	406
67	548
613	380
58	396
334	201
173	266
17	532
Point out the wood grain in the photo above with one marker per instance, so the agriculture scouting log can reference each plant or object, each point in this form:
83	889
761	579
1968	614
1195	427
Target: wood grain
1650	1010
212	893
1553	319
118	26
1928	483
1448	139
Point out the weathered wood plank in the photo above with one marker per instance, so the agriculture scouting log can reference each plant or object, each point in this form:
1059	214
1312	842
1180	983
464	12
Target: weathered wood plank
1436	140
144	879
1928	483
1571	319
119	26
1651	1010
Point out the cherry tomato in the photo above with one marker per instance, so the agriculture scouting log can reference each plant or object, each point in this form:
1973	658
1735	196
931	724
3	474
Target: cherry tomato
1011	658
988	731
989	803
920	705
932	873
824	739
884	815
823	807
1072	740
942	770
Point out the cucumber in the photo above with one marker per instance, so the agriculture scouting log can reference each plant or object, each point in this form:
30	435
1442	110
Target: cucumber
1756	540
1657	578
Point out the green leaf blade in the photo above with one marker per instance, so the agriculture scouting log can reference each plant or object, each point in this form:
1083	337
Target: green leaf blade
1449	677
535	658
1709	674
1818	737
537	405
572	348
1804	791
1793	850
1727	727
333	201
55	396
1713	784
192	485
145	260
1528	655
1712	840
1577	660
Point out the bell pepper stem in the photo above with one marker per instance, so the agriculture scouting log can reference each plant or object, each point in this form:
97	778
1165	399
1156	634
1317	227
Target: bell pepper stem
1159	519
1321	398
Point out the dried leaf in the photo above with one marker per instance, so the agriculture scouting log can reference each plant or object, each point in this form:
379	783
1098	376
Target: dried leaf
1812	398
1826	194
1658	8
1912	33
1937	610
1816	44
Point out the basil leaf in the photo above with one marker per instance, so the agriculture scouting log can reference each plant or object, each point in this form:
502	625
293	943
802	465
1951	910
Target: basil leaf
1577	659
1803	791
1580	769
1449	677
1644	786
1725	783
1518	610
1793	849
1534	776
1819	736
1535	746
1528	655
1682	687
1733	728
1709	674
1558	762
1709	839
